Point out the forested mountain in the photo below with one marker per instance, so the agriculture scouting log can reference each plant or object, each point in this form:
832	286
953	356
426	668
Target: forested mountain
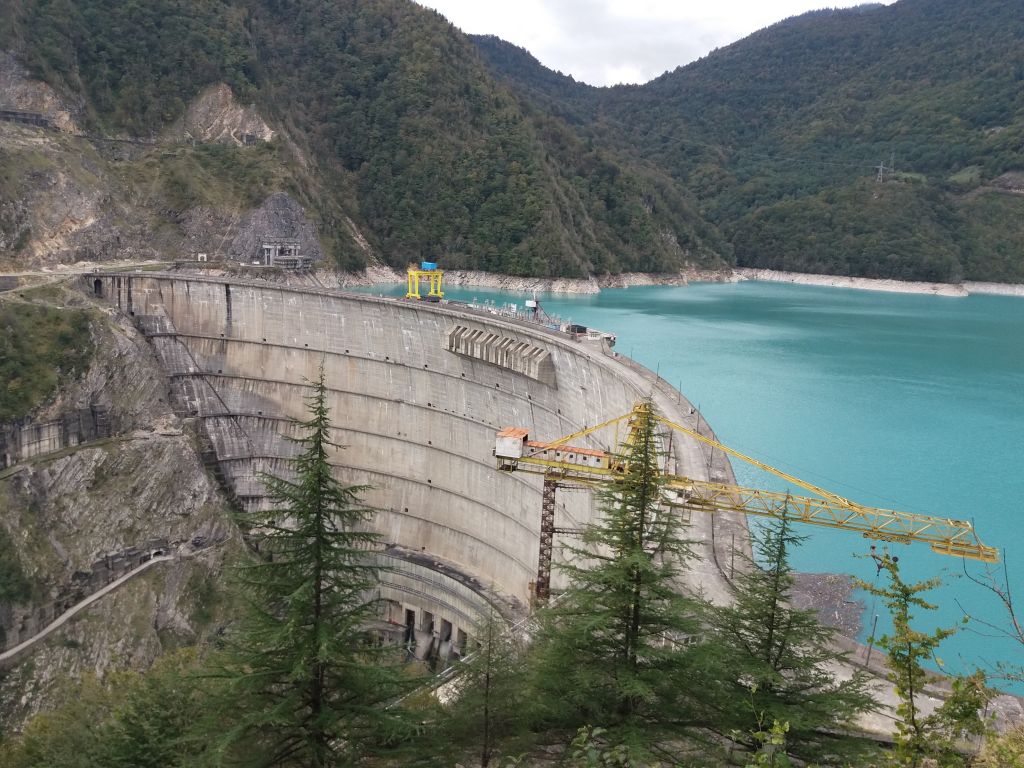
404	138
405	131
780	135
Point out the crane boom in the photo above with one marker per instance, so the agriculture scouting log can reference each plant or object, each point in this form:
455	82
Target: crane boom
945	536
562	463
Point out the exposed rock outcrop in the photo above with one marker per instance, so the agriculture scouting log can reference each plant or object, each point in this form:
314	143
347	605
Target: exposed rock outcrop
64	511
203	229
19	92
63	205
476	279
376	274
1012	182
123	377
214	116
860	283
996	289
279	218
129	628
70	510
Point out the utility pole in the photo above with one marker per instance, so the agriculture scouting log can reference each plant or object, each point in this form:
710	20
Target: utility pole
883	169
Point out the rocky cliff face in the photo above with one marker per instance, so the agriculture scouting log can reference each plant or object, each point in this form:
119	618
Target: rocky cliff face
279	218
215	116
216	181
19	91
123	377
65	511
64	200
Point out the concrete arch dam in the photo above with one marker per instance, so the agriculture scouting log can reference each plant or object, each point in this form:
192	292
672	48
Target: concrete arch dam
416	392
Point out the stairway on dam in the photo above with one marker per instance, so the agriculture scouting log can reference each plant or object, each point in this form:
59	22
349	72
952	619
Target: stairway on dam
417	392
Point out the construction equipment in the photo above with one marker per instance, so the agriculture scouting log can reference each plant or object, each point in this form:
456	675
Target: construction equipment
427	270
562	463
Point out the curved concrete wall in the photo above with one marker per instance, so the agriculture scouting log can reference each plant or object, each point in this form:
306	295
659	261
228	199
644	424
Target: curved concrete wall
415	409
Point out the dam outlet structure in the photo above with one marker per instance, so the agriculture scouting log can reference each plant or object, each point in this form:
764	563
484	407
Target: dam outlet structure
417	392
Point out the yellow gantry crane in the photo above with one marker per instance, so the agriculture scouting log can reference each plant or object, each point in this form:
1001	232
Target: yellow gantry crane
427	271
564	464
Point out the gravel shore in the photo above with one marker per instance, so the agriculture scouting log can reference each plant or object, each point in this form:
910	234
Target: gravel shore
892	286
378	275
832	596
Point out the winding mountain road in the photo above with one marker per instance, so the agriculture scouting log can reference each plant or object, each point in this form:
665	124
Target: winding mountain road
77	608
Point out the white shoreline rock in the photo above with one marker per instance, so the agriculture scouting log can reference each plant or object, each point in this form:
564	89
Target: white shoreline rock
380	275
859	283
996	289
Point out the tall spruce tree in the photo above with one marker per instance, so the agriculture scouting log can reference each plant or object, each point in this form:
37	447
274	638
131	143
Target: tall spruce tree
778	660
304	680
613	650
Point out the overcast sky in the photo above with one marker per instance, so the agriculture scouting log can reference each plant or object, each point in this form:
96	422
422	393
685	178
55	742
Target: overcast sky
604	42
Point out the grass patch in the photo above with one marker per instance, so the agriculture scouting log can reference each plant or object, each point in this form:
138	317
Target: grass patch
214	175
910	178
968	177
39	347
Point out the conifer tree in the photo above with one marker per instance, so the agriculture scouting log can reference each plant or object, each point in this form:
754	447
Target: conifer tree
612	652
304	682
128	720
490	690
775	658
920	736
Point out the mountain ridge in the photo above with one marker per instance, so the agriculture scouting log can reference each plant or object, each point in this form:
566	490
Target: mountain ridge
396	125
404	139
781	136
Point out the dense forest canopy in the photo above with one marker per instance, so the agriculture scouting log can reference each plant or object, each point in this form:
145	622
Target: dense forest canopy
408	134
780	137
437	145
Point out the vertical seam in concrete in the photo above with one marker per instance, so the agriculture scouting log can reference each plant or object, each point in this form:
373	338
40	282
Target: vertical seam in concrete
227	302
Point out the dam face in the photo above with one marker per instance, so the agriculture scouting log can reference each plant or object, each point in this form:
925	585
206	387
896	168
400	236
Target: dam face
416	394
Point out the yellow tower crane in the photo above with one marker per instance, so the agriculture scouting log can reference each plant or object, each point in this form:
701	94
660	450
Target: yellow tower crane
564	464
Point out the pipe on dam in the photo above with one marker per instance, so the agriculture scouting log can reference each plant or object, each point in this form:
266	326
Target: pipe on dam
416	392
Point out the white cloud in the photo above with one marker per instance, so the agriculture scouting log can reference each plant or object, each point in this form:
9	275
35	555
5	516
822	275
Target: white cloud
604	42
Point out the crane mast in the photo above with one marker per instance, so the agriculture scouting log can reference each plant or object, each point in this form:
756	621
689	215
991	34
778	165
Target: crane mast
563	464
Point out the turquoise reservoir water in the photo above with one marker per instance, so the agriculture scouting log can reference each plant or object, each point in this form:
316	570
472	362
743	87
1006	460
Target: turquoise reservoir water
895	400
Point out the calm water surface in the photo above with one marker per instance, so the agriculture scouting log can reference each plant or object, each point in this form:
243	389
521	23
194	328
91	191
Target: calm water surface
901	401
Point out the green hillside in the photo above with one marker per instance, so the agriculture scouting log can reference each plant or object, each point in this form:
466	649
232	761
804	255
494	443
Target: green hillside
435	145
779	136
407	132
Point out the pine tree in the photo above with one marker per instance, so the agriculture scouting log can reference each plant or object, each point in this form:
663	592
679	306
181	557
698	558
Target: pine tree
919	736
775	658
612	652
490	690
128	720
305	684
